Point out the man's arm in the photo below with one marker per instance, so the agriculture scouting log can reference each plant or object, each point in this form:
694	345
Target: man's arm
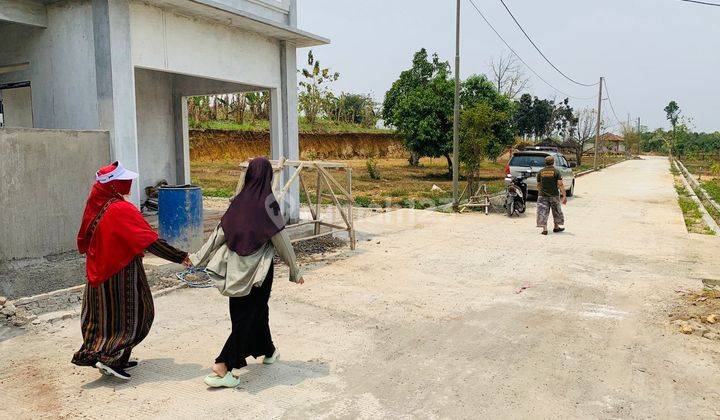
561	187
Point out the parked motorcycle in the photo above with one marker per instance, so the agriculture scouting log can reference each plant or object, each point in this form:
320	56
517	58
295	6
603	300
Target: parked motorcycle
516	193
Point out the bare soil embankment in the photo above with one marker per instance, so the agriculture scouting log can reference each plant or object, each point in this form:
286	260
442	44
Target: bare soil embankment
224	146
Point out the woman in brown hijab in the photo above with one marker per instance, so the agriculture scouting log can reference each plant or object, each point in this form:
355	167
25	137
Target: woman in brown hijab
239	258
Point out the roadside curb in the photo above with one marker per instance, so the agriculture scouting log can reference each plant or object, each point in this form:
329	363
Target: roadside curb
601	167
709	221
72	295
697	185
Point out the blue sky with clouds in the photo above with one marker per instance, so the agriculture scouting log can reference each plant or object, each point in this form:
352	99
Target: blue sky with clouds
650	51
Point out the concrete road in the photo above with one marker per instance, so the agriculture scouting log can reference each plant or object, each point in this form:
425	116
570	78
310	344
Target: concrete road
424	321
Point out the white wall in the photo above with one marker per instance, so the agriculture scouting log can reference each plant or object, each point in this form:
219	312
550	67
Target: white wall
17	107
162	40
275	10
155	130
62	65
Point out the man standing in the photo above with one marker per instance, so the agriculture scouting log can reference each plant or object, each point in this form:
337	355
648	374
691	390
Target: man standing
550	188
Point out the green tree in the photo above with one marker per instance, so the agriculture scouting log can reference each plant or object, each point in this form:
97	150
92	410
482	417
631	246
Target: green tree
477	89
480	124
524	115
672	111
314	89
420	106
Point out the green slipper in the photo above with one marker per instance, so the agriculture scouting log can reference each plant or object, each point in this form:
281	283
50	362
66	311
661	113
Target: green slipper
227	381
272	359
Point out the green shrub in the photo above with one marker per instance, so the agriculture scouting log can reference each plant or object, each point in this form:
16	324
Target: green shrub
372	168
713	188
363	201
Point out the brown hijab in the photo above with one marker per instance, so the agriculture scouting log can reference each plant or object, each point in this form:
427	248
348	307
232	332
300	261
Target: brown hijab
254	215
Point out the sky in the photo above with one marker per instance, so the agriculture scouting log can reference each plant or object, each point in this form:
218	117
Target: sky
649	51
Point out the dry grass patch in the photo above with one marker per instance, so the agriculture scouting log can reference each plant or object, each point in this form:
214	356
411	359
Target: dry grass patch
399	184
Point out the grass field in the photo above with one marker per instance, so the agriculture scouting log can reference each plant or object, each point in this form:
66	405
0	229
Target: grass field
704	168
707	172
399	184
690	209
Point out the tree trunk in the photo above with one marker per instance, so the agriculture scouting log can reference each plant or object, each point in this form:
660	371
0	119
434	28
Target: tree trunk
578	155
450	164
414	159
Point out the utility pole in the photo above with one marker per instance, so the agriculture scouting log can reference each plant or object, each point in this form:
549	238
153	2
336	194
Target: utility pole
456	121
639	139
597	126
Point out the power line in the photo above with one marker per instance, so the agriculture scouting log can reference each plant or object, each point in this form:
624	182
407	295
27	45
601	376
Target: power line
541	53
521	59
702	2
607	92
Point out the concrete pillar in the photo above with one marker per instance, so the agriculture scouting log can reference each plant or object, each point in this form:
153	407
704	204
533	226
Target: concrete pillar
289	115
182	137
292	14
115	78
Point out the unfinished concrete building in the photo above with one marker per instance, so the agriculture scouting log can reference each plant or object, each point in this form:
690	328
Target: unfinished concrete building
128	66
86	82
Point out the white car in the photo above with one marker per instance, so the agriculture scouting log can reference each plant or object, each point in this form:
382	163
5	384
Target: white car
534	160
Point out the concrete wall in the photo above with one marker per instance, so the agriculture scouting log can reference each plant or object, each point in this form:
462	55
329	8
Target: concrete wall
62	65
17	107
46	176
155	127
165	41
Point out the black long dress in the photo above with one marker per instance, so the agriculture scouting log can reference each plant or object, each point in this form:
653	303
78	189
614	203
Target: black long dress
250	334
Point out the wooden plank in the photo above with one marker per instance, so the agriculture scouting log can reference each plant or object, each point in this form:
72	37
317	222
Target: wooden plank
335	200
318	197
279	164
289	183
307	195
332	225
332	232
303	223
350	209
337	184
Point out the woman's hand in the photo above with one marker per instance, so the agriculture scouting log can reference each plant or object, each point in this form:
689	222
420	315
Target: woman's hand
301	280
187	263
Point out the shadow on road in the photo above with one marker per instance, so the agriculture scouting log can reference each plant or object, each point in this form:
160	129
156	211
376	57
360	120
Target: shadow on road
257	377
152	370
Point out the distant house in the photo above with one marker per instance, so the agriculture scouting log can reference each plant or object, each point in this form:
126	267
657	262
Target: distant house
612	143
609	143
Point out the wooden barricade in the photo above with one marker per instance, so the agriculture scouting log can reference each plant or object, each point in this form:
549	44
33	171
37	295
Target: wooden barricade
325	186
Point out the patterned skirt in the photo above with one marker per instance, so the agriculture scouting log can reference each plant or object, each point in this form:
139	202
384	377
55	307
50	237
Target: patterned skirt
116	316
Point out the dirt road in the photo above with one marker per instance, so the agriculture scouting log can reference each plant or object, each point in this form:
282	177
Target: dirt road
423	321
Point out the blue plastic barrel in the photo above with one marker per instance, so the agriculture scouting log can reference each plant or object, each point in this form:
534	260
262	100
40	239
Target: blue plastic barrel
180	216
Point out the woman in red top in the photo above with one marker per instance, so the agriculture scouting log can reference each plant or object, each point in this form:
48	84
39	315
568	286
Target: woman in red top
117	307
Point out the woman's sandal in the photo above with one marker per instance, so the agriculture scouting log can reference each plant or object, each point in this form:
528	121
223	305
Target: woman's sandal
272	359
227	381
